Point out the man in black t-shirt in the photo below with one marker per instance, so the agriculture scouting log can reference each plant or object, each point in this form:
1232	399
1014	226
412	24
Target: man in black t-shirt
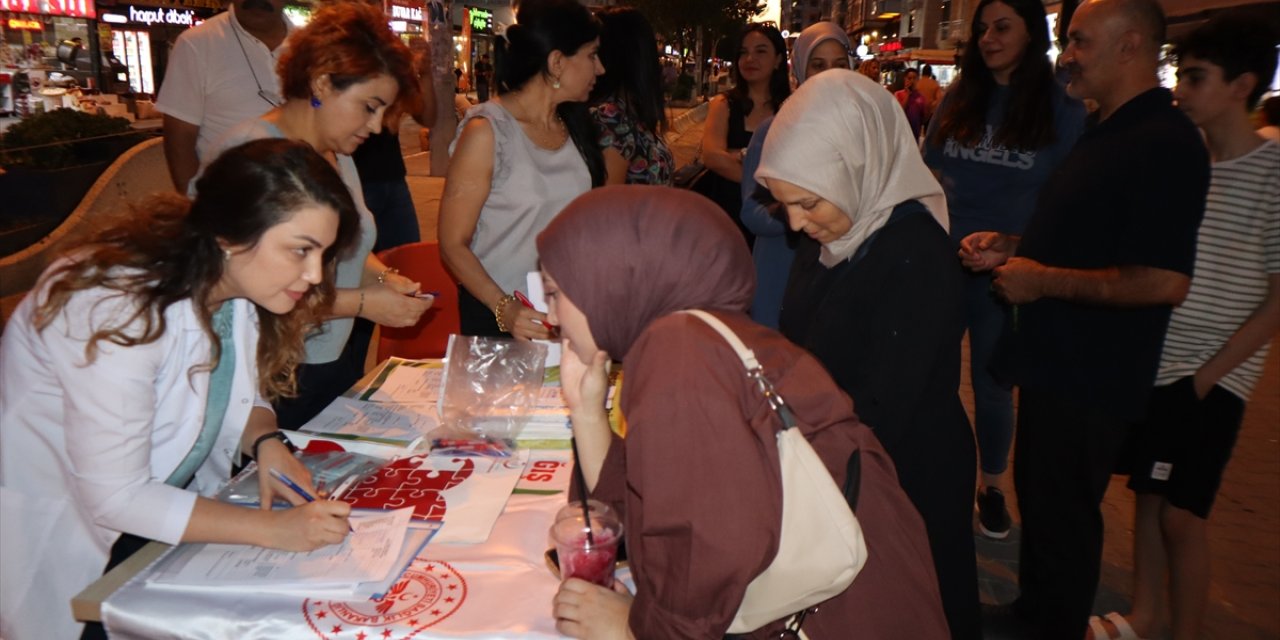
484	75
1104	259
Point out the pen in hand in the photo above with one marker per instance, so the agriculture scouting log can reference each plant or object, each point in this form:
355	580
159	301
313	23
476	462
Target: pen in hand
292	485
303	492
524	300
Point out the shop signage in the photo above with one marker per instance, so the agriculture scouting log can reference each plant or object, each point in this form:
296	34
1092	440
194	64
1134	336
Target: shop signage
400	12
890	46
20	24
481	20
150	16
70	8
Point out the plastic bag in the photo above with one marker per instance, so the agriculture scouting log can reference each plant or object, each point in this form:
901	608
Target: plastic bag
491	386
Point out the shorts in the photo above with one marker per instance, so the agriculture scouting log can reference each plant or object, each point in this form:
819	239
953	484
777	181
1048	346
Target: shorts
1183	446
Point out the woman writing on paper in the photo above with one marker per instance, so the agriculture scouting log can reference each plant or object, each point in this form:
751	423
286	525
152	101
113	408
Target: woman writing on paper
137	371
341	75
697	477
517	161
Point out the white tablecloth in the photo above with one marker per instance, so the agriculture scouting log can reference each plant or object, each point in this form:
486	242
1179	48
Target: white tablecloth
498	589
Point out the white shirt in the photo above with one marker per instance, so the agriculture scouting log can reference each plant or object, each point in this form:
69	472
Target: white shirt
85	447
211	82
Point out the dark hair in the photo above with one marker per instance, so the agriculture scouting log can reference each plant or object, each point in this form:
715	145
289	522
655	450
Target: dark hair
351	43
1028	116
629	53
1271	110
166	251
926	70
1238	44
779	81
544	26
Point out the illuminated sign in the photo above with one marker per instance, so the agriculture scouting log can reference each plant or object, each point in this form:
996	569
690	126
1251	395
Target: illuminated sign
399	12
25	25
891	46
150	16
481	20
70	8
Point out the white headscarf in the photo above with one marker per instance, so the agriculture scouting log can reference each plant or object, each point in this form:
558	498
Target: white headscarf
844	138
814	35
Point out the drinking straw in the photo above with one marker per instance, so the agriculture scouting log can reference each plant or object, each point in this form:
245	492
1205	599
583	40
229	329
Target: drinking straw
582	489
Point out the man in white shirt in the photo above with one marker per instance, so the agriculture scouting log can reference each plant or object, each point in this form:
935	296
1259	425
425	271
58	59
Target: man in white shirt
220	73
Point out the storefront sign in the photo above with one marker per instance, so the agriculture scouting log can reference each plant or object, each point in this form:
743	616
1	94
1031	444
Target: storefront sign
20	24
400	12
890	46
70	8
481	20
150	16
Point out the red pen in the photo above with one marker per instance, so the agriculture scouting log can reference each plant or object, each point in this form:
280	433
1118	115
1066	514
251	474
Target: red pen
524	300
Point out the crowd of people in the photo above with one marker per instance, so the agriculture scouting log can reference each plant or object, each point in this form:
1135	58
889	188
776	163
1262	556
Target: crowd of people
1119	265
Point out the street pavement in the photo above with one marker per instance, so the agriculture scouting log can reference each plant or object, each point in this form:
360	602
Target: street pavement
1244	528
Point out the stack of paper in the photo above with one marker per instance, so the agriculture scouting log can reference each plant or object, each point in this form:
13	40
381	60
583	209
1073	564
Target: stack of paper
371	558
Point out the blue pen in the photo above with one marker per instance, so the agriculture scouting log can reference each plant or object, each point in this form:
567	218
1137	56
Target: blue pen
298	489
292	485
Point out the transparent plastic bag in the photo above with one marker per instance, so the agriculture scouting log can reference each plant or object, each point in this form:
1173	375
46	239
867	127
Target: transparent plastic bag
491	386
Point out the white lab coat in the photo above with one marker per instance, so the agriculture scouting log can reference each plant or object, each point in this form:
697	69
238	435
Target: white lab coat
85	448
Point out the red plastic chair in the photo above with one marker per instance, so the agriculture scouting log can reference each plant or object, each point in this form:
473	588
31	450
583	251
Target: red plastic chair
420	262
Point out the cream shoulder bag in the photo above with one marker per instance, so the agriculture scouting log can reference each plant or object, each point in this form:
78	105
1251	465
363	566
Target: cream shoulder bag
821	548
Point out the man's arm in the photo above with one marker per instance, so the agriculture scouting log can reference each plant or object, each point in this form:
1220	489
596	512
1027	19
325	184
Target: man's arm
180	151
1022	280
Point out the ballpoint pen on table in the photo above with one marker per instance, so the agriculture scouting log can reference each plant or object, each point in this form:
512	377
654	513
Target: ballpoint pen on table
524	300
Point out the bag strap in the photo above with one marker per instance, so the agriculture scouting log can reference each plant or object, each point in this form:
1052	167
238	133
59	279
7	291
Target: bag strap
853	468
752	365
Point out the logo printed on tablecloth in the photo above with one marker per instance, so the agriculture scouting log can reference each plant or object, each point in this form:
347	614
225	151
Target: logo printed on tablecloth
429	592
412	481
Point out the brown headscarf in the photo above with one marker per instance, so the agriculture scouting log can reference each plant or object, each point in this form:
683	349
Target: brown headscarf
628	255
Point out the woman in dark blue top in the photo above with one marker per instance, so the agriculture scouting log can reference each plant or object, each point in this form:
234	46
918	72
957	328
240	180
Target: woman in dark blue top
1000	131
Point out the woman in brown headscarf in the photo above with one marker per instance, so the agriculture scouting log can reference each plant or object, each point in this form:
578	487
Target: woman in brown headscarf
697	477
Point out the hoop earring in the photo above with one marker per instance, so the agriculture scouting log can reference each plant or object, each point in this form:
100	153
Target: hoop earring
315	102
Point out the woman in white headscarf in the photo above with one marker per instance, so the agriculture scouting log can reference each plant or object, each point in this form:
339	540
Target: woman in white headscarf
821	46
875	294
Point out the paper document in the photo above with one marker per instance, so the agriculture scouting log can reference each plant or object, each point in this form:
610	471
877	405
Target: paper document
392	423
368	554
407	382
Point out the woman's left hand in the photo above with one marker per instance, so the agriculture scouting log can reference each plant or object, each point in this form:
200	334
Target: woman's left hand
583	384
272	454
585	610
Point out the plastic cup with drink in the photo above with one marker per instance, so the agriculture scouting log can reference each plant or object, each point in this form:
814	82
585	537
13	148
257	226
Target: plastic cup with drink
587	550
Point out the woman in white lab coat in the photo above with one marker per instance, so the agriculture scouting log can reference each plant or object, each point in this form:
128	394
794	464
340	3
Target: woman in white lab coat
140	368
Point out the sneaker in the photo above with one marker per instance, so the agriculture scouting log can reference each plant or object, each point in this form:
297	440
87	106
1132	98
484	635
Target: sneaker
993	516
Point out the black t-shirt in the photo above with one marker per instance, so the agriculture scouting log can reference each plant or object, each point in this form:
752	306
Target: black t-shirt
1131	193
483	69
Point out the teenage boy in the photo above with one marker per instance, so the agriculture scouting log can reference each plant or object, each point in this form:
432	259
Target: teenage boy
1217	340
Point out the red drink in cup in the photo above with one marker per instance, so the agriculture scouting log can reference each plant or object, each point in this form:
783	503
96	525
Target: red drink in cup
591	558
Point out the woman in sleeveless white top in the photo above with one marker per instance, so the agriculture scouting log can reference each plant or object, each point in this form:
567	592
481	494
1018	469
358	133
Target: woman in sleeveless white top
517	161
